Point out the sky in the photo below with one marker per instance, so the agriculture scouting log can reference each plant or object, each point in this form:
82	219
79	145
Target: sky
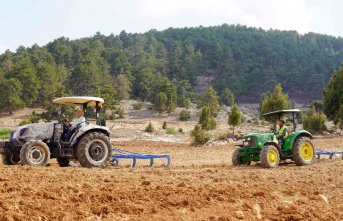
29	22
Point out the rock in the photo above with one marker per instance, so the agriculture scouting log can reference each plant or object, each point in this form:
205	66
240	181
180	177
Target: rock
324	198
230	141
239	214
256	209
209	143
325	133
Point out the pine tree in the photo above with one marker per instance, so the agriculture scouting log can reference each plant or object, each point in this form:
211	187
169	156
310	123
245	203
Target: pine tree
227	97
333	96
210	99
161	102
275	101
234	118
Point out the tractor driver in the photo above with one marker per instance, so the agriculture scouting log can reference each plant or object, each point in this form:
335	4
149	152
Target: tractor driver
80	120
282	133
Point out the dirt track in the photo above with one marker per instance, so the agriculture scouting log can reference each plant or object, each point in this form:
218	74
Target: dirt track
200	185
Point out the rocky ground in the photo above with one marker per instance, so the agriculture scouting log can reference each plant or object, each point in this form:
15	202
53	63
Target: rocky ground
201	183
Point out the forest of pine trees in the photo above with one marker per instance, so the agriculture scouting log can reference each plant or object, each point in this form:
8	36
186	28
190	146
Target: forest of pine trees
242	59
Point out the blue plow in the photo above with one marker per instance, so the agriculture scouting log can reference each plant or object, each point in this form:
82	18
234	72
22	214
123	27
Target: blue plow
125	154
320	152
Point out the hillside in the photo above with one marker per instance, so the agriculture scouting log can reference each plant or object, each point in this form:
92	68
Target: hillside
246	60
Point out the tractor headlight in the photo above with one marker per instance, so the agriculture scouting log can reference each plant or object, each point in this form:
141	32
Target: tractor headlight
249	142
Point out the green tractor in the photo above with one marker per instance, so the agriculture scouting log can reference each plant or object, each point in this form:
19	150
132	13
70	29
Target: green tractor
265	147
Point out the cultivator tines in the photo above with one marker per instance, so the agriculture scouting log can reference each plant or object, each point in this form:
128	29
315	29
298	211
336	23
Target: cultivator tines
125	154
320	152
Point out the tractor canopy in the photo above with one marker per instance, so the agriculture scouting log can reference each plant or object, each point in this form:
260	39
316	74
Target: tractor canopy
84	102
79	101
282	112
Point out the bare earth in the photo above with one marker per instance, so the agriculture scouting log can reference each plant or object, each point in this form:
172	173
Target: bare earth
201	183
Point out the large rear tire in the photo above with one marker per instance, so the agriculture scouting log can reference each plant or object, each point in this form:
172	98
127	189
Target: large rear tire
303	151
63	162
94	150
35	153
269	157
236	160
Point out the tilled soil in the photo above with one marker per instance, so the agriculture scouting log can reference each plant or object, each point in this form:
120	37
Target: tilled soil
200	184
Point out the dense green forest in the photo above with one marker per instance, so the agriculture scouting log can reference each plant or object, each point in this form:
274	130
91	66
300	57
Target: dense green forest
248	61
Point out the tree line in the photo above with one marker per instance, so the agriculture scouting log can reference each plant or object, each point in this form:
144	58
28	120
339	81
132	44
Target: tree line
241	60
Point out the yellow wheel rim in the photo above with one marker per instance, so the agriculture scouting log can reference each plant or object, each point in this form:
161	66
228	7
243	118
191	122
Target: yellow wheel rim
307	151
272	156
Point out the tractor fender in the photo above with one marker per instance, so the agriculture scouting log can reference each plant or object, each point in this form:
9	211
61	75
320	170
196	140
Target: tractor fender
82	132
274	144
296	135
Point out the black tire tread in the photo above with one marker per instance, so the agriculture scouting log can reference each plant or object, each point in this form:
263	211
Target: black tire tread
25	161
81	152
296	151
236	161
264	156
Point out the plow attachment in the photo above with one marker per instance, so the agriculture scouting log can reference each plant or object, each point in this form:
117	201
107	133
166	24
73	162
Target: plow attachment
125	154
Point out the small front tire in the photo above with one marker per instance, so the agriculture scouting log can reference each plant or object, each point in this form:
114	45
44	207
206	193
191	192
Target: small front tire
236	160
269	157
35	153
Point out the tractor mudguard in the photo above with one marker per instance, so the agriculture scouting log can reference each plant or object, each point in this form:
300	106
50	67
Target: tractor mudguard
278	147
289	142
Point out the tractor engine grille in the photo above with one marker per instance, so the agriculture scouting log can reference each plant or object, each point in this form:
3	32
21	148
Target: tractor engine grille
249	142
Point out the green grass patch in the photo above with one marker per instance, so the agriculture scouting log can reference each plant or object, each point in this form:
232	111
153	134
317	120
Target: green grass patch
5	133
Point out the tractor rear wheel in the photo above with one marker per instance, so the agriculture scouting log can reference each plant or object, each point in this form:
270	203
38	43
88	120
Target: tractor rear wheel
94	150
63	162
236	160
269	157
35	153
303	151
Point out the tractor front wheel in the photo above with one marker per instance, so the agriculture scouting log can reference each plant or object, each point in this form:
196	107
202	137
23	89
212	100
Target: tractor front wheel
269	157
94	150
35	153
236	160
303	151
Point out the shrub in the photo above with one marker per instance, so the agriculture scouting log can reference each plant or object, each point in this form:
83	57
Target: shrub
24	122
314	121
199	136
180	130
150	128
222	137
121	113
150	108
170	130
184	115
138	105
164	126
5	133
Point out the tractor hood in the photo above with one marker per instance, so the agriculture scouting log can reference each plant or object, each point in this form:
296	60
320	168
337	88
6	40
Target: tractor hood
38	131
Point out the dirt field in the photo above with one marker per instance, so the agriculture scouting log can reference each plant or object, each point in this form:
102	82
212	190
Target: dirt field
201	184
